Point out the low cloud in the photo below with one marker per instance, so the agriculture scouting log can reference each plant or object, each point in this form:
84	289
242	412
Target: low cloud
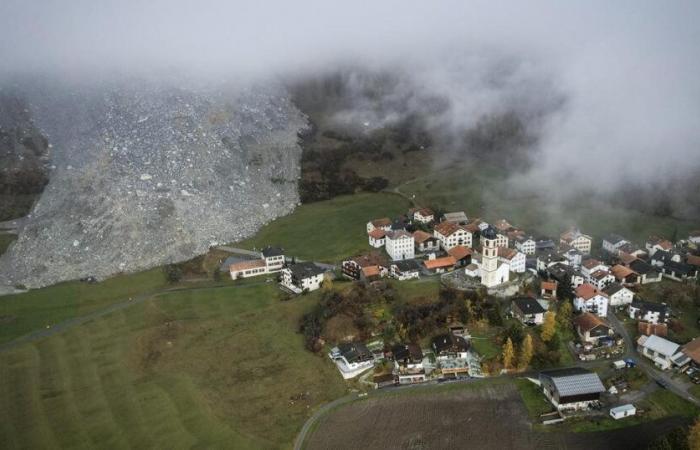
611	90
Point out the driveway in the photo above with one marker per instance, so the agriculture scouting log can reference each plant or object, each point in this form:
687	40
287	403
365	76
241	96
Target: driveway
678	387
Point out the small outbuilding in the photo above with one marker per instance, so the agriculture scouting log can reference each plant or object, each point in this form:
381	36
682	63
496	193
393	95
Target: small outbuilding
622	411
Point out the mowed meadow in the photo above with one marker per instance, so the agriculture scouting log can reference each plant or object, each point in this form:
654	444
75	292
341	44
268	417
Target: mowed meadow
207	365
216	367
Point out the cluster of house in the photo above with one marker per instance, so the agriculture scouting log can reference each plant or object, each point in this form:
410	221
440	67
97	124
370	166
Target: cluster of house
420	242
295	277
598	285
449	356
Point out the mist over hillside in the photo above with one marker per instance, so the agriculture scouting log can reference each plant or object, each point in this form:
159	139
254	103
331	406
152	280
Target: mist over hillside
593	101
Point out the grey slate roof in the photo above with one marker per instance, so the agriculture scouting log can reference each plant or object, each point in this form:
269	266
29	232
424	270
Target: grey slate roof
407	265
272	251
529	305
574	381
305	270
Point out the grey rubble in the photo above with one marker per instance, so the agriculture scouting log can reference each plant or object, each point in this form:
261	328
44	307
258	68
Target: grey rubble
146	174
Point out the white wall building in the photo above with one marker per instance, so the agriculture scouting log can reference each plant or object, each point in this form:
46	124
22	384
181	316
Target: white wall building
657	349
492	272
400	245
377	238
383	224
450	235
515	259
613	242
574	238
271	260
591	300
618	294
424	215
305	276
526	245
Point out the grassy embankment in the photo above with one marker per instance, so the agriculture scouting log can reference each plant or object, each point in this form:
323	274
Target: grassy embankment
203	367
328	231
210	368
5	240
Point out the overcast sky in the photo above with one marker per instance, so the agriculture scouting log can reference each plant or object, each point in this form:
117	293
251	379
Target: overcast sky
628	69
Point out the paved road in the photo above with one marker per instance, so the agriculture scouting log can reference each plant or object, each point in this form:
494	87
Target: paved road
123	304
301	437
676	386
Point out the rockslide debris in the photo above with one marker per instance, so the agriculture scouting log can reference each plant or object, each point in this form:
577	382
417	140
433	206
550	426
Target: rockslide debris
144	174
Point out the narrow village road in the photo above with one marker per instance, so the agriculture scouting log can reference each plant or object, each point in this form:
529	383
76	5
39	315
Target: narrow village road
676	386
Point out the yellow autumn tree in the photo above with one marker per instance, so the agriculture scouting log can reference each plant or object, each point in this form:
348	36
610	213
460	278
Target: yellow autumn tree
549	327
526	352
694	436
564	314
508	354
327	284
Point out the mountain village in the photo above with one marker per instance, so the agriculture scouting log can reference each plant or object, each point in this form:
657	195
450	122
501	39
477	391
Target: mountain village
544	281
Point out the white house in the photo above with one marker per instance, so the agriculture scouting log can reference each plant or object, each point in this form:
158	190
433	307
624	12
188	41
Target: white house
383	224
591	265
525	245
648	312
514	258
528	310
613	242
271	260
405	269
300	277
450	235
618	294
656	243
501	240
424	215
351	359
657	349
601	278
574	238
572	256
377	238
400	245
590	299
408	363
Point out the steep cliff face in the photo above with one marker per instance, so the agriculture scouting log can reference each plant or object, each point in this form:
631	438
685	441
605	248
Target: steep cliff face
145	174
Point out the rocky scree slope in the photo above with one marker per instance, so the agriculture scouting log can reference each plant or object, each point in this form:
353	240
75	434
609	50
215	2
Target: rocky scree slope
144	174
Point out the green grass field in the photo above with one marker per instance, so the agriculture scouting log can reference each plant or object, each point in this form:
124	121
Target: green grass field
30	311
481	191
533	398
207	368
330	230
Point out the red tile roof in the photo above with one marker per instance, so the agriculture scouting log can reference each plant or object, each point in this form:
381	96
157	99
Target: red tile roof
247	265
370	271
588	321
459	252
446	228
622	272
421	236
437	263
549	285
587	291
377	233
